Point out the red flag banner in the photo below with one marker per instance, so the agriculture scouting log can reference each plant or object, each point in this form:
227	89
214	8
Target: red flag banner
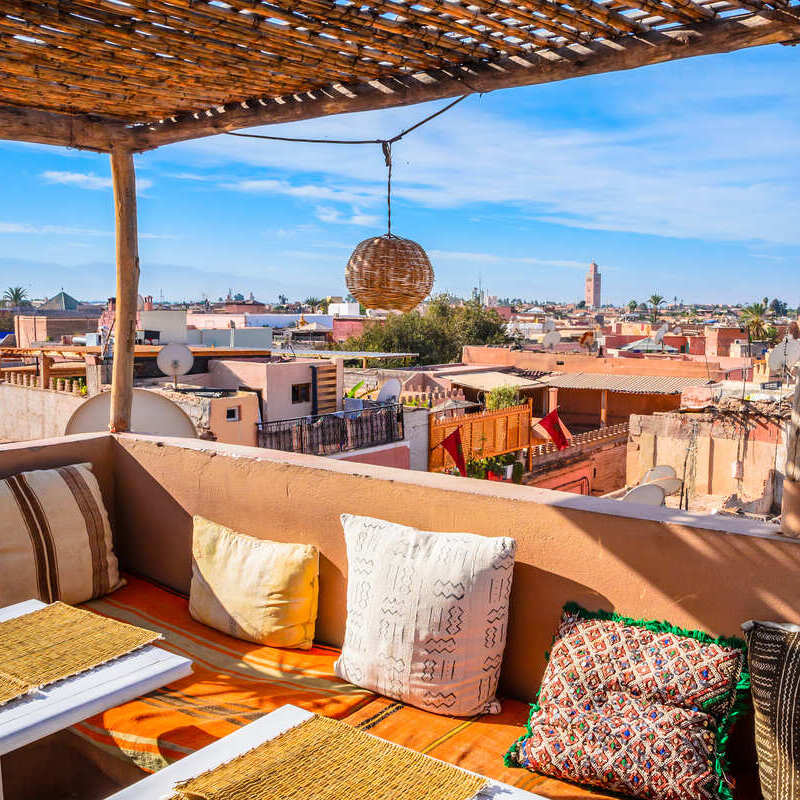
552	424
452	444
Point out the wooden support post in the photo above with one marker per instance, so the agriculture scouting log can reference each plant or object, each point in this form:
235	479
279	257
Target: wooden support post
790	508
604	408
44	371
124	180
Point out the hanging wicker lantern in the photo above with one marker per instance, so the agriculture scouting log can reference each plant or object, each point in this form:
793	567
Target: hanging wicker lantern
389	272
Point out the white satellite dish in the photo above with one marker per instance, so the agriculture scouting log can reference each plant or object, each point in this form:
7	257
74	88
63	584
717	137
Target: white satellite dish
676	331
658	336
151	413
174	360
390	391
551	339
784	355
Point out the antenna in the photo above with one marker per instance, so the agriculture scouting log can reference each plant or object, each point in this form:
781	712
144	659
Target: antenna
551	339
174	360
390	391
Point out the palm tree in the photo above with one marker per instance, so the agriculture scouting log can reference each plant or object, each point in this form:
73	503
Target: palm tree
15	295
754	321
313	302
655	301
632	306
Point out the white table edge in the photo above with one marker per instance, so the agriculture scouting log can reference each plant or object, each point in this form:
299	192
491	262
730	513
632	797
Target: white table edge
160	785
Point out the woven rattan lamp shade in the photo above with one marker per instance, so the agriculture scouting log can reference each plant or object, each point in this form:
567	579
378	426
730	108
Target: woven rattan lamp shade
389	272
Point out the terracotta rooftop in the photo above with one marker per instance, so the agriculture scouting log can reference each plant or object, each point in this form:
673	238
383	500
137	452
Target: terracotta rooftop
629	384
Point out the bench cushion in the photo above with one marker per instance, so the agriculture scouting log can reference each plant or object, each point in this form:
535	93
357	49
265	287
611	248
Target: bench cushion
233	683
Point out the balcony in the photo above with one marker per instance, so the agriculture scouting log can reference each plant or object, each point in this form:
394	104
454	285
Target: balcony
340	432
696	571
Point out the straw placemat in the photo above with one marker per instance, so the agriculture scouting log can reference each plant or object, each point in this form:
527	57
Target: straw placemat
57	642
323	759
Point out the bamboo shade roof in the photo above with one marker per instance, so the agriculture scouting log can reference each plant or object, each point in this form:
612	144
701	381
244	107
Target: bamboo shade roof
140	73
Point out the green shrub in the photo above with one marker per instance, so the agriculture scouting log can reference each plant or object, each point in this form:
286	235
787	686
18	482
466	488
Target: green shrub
502	397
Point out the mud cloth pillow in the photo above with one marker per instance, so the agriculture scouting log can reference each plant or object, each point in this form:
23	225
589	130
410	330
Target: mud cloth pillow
55	539
426	614
254	589
641	708
774	656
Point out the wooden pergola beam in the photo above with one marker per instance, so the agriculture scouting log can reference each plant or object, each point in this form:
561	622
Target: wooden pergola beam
63	130
653	47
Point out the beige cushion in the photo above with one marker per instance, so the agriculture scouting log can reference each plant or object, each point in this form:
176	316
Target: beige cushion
254	589
426	614
55	539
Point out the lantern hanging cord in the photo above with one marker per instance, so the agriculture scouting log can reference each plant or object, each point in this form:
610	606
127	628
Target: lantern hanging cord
386	146
381	142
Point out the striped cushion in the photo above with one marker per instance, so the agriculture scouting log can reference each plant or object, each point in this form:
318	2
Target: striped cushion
55	539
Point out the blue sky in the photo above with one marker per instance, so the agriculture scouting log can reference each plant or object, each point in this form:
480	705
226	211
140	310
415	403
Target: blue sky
681	179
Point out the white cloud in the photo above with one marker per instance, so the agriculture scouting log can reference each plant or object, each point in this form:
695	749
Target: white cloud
695	172
24	228
88	180
332	215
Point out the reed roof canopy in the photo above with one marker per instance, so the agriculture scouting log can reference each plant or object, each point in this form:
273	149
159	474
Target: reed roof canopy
100	74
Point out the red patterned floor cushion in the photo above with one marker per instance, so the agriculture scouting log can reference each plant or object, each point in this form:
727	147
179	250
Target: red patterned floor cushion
636	707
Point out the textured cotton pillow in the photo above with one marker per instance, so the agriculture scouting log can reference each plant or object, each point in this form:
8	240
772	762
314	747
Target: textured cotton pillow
254	589
641	708
55	539
426	614
774	656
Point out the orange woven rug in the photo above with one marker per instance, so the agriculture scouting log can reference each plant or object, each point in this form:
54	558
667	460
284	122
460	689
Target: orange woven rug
57	642
323	759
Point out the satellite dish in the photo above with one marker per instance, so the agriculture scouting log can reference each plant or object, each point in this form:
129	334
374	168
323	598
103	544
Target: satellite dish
390	391
658	336
658	472
648	494
174	360
549	325
676	332
784	355
551	339
669	485
151	413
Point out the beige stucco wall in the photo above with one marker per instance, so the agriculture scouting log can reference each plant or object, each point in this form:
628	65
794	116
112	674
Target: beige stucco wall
34	413
244	430
699	572
664	439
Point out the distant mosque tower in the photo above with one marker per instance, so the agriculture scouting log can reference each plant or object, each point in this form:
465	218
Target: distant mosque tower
593	287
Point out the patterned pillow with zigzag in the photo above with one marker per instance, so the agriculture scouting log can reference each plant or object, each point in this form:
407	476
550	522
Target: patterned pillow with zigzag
637	707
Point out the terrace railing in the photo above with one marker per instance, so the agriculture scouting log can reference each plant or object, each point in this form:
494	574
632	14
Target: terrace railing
325	434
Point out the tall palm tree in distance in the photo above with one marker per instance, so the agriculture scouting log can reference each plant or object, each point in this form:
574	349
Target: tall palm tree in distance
655	301
15	295
632	306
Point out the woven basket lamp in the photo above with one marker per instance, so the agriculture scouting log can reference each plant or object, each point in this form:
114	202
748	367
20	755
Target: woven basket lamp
389	272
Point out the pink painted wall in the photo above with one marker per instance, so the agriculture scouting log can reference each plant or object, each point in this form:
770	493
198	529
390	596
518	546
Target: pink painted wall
345	327
394	455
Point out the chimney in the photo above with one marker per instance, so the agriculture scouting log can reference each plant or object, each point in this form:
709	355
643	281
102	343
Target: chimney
148	303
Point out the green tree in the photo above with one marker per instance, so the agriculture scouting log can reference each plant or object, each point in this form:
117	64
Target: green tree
655	300
438	334
753	317
311	301
778	307
15	296
581	304
502	397
632	306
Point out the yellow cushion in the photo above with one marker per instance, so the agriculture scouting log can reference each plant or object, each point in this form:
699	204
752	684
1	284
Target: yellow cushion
254	589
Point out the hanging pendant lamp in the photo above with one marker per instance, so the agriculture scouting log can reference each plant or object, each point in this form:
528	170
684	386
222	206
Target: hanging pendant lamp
388	271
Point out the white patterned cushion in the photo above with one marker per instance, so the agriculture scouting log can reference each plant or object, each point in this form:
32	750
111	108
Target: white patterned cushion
426	614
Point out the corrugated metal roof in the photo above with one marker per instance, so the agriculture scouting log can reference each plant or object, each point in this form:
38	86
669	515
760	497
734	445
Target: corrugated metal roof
486	381
630	384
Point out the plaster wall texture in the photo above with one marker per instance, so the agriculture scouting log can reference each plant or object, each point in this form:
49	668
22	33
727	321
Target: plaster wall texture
415	427
664	439
241	431
171	325
34	413
697	571
501	356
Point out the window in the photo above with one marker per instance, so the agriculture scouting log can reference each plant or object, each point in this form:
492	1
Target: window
233	414
301	392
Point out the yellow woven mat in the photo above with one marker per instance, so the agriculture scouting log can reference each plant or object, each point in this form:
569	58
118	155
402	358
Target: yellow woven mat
323	759
59	641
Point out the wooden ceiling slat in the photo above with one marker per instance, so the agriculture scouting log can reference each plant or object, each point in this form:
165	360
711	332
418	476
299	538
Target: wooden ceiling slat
175	69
